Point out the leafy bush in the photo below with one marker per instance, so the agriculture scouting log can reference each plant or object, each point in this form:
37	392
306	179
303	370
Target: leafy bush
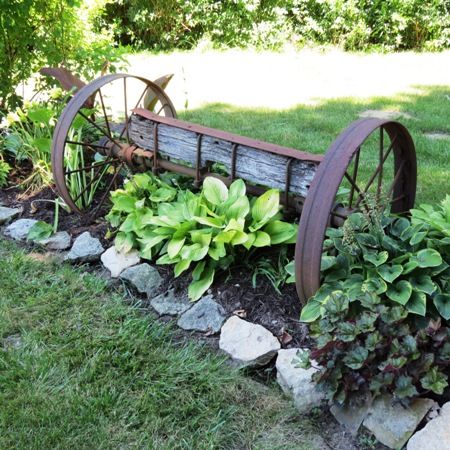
36	33
381	318
207	229
352	24
4	172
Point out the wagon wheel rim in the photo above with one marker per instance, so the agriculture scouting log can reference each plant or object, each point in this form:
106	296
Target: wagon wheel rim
91	105
395	162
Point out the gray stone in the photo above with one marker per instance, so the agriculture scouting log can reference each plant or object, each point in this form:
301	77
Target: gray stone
388	115
145	278
19	229
248	344
116	262
85	249
168	303
435	435
392	423
13	342
297	382
8	214
351	415
59	241
205	315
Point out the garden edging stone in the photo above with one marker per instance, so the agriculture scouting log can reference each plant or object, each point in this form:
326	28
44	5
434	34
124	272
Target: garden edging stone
85	249
206	315
169	304
144	277
116	262
59	241
8	214
19	229
248	344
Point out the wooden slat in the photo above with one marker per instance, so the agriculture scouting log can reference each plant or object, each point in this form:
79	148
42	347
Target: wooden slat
255	165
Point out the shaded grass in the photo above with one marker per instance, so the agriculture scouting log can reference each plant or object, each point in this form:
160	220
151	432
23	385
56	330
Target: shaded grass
313	128
92	372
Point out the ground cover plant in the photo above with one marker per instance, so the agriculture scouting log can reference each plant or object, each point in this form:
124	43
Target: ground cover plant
380	319
81	368
209	228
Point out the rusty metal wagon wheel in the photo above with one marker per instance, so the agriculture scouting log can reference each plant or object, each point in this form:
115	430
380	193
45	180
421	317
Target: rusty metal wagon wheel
372	164
91	143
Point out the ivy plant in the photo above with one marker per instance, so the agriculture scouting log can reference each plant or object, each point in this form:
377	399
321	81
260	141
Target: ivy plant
202	231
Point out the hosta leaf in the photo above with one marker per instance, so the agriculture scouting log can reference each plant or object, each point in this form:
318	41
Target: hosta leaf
197	288
265	207
40	231
404	387
400	292
214	190
124	242
194	252
237	189
389	244
280	231
410	266
225	237
390	273
123	202
434	381
214	222
428	258
239	209
311	311
174	246
376	258
442	303
356	358
262	239
217	251
417	304
163	194
197	272
423	283
239	238
202	237
399	226
417	237
290	269
334	232
181	266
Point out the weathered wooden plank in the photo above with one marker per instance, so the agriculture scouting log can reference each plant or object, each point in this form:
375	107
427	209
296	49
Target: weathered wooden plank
252	164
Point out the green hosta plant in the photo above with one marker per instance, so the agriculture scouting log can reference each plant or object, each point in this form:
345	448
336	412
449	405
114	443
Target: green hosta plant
200	231
380	318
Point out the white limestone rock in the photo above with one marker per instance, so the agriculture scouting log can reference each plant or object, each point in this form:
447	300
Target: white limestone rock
435	435
248	344
297	382
392	423
116	262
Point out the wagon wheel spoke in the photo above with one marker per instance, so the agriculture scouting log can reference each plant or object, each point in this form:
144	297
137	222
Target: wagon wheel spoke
104	113
90	167
87	144
110	138
355	175
137	104
362	194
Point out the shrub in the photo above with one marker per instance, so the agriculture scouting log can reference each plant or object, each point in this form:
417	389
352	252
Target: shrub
207	229
380	319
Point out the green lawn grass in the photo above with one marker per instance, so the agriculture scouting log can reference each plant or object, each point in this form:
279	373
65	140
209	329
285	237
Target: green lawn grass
313	128
93	372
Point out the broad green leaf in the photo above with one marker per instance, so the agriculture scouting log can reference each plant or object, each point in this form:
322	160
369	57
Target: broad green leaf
280	231
214	190
327	262
356	358
393	314
442	303
151	239
302	359
346	331
40	115
400	292
237	189
123	202
217	251
428	258
336	303
210	221
399	226
262	239
174	246
202	237
310	312
366	321
376	258
375	285
239	238
235	224
410	266
225	237
163	194
250	239
372	340
40	231
434	381
265	207
367	240
197	272
390	273
423	283
417	304
43	144
197	288
194	252
404	387
418	237
124	242
290	269
239	209
181	266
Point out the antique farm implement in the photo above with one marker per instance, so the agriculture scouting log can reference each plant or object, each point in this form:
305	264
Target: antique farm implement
371	163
